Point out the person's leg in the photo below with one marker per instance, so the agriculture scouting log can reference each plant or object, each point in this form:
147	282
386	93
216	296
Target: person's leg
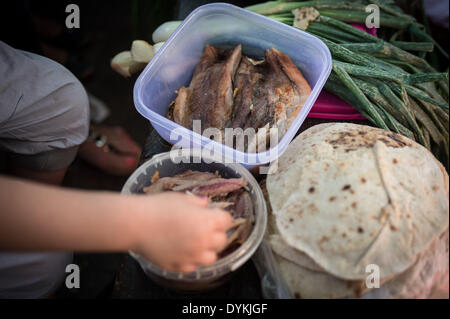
44	117
32	275
47	167
53	178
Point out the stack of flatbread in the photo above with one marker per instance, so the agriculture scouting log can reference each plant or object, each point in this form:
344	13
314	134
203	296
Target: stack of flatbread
352	202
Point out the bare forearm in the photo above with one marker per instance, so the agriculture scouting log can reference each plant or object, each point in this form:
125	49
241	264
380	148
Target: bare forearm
36	217
175	231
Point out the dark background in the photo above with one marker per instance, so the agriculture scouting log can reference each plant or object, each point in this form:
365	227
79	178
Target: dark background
110	27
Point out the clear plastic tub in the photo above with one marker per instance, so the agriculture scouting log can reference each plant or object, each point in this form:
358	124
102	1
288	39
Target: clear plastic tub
209	277
225	25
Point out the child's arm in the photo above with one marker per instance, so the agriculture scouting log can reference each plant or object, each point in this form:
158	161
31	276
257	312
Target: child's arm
174	231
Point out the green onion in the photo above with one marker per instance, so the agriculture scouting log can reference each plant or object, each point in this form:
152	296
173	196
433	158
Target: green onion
327	36
275	7
420	95
369	72
414	46
281	15
342	92
347	80
425	77
402	106
341	52
375	95
331	31
365	47
413	29
432	114
285	20
392	11
349	29
423	118
361	16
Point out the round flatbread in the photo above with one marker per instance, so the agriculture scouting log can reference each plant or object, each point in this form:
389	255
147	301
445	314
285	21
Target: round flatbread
349	196
280	248
308	284
428	275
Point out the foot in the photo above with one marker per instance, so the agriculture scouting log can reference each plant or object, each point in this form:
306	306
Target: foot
114	152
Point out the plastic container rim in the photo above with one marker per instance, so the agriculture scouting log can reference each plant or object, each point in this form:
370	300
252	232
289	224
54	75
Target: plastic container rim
269	155
226	264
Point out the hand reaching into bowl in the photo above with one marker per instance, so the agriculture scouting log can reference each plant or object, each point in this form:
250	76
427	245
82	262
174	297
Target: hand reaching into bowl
179	232
174	231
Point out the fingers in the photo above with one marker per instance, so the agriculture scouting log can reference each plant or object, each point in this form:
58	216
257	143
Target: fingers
200	232
218	241
207	258
188	199
187	268
222	219
197	200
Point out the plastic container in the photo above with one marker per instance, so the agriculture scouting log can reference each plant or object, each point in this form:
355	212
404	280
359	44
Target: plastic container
204	278
226	26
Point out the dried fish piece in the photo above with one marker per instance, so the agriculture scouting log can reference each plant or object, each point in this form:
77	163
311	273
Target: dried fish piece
230	194
155	177
243	207
229	90
237	222
219	186
209	97
239	235
180	182
245	79
221	205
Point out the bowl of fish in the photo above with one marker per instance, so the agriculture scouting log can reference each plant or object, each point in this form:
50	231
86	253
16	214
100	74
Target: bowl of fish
233	81
227	185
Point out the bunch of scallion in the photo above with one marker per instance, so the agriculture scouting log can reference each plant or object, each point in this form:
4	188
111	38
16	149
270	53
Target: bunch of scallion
388	78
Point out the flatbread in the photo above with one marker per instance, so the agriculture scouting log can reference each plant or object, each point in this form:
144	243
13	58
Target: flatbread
280	248
428	274
278	245
348	196
307	284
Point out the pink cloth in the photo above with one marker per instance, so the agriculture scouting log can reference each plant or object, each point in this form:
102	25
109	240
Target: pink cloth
329	106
